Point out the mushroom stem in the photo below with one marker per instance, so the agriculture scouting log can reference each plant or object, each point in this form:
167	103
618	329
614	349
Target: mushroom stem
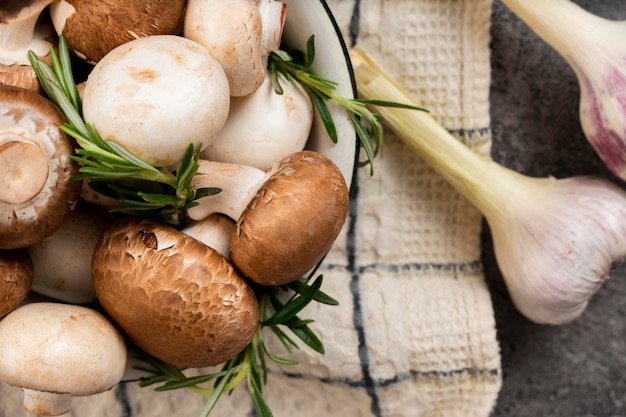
47	403
214	231
273	14
239	183
23	170
19	33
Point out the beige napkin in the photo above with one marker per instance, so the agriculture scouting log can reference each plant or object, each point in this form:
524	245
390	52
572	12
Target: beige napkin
414	335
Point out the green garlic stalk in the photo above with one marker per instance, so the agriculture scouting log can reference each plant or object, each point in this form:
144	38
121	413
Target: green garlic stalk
556	240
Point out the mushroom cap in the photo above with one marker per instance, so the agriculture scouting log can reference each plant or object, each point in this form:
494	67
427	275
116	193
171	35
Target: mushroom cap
156	95
173	296
62	261
29	121
264	127
95	27
22	76
232	31
16	278
61	349
293	220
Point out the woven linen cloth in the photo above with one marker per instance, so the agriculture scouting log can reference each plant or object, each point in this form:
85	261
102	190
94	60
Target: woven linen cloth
414	334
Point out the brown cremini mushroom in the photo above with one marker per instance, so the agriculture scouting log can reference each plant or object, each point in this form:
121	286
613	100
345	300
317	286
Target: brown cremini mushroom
36	193
58	351
21	31
239	34
16	278
287	219
172	295
95	27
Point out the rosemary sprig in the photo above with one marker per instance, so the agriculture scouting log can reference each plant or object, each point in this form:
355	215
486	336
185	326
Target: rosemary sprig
251	365
111	168
296	65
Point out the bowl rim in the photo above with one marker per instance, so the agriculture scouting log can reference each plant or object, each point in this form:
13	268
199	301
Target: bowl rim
353	86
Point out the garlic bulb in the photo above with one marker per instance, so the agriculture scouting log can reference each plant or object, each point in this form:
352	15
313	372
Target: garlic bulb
595	48
556	240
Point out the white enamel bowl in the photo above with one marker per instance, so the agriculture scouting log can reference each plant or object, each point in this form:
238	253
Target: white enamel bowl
306	18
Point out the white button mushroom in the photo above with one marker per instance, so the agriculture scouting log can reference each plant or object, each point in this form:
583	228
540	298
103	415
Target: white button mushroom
20	31
156	95
287	219
62	261
95	27
36	191
239	33
264	127
59	351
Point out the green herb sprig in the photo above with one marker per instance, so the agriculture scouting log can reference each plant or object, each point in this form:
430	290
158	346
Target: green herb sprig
111	168
297	65
251	365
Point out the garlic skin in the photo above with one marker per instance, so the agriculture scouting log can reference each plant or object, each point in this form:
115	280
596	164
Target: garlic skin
595	48
558	243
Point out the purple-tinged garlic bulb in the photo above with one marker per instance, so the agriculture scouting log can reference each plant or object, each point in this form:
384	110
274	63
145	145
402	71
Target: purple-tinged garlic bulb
595	48
556	242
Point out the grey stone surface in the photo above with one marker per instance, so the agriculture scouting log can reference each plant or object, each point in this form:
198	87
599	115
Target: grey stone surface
577	370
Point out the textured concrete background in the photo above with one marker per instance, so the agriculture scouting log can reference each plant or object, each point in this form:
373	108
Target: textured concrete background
576	370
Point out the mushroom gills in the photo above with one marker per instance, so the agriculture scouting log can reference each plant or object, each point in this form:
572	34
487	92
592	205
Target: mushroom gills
37	193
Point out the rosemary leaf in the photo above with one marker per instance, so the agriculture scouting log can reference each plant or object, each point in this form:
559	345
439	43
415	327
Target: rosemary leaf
296	305
324	112
297	66
309	338
130	157
286	341
162	199
186	383
276	359
145	382
217	393
299	286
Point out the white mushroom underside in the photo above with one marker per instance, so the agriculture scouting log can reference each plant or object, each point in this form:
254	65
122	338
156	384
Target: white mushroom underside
15	42
12	128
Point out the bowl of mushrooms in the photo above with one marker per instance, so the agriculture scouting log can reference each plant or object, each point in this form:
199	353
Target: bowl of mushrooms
172	173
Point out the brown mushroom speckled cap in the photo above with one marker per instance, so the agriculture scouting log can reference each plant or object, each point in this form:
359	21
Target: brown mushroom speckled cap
95	27
292	221
173	296
16	279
